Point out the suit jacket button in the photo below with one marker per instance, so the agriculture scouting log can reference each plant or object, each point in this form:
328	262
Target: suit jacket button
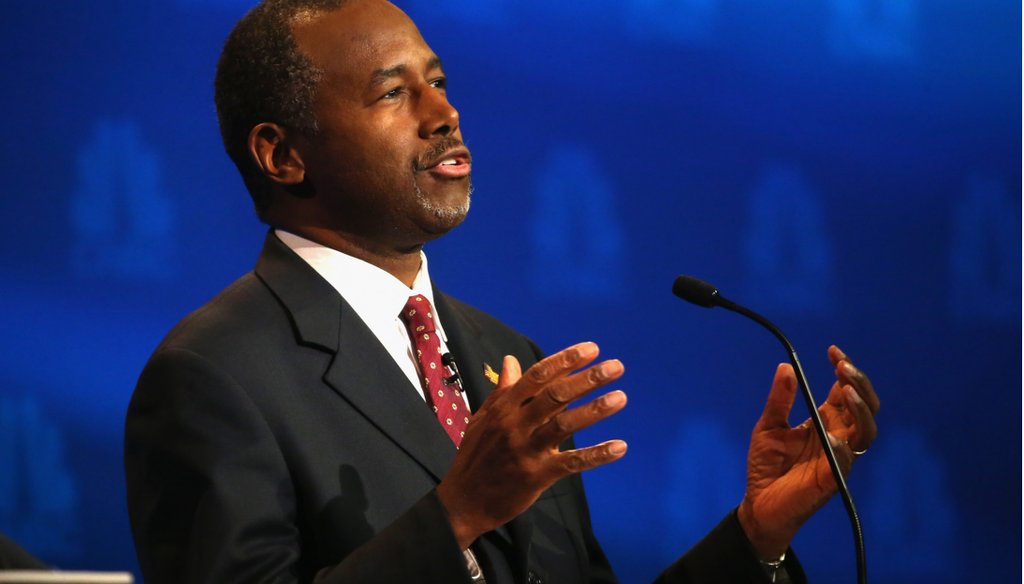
533	578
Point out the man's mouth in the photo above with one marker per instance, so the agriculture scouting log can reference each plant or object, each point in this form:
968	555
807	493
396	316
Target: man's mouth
452	167
453	161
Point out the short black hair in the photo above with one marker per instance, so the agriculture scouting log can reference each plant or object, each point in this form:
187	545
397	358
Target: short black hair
262	76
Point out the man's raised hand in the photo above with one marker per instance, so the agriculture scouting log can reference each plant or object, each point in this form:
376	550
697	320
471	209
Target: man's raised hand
510	454
788	477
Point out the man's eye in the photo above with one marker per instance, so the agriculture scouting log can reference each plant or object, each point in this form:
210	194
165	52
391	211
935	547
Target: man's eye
440	83
392	94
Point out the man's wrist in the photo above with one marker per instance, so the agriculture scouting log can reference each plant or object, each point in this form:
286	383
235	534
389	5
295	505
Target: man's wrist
465	535
768	547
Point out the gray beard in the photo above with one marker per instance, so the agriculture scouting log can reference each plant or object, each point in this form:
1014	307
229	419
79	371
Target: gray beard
447	215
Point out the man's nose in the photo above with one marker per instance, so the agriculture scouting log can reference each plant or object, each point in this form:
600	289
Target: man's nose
439	118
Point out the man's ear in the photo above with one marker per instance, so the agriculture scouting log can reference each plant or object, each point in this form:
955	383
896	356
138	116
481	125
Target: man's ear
275	154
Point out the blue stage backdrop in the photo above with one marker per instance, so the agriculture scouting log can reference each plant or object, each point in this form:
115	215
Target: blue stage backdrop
849	167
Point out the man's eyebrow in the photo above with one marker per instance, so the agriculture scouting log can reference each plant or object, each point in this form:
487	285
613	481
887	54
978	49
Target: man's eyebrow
380	76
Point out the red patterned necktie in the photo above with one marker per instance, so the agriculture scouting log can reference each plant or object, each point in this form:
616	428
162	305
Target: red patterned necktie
446	399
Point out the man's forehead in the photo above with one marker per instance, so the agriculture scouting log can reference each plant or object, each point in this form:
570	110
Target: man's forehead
371	33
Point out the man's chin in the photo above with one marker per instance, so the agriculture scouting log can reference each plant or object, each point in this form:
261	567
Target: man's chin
446	218
447	214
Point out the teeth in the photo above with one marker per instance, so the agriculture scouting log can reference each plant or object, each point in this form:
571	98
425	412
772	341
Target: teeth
448	162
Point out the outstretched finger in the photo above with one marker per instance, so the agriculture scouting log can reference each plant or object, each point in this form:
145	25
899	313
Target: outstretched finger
582	459
865	428
849	374
835	355
553	367
780	399
836	399
561	426
555	397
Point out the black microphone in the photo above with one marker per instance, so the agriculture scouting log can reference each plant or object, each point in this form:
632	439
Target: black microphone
449	361
695	291
704	294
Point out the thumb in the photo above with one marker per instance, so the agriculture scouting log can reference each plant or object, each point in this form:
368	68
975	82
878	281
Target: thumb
511	372
780	399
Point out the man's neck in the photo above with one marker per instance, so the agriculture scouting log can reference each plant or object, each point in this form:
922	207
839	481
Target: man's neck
403	264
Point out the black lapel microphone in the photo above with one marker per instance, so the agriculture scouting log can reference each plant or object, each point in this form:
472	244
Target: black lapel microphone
448	360
703	294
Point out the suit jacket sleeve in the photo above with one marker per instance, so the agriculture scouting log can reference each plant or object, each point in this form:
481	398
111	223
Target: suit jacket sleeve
725	556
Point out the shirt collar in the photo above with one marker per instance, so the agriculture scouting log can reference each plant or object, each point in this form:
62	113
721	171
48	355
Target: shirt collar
373	293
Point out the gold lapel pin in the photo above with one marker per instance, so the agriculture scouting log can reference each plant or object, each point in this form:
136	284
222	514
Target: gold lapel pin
490	374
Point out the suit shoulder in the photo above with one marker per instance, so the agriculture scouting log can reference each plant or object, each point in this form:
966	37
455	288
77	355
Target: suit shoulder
243	310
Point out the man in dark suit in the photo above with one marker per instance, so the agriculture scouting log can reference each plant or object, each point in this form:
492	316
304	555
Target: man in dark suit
288	431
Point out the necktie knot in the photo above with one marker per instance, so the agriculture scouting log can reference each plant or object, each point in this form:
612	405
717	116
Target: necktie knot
418	315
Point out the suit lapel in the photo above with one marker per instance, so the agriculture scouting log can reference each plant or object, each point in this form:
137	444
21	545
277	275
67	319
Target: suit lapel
362	372
365	374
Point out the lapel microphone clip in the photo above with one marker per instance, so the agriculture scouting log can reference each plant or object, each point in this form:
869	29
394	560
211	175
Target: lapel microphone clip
449	361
